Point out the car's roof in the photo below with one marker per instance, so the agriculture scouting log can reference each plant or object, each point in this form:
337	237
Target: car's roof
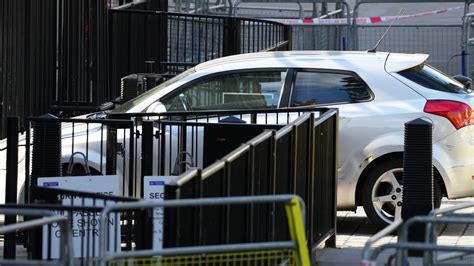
316	59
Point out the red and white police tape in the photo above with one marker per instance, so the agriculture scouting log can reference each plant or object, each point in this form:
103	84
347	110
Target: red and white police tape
362	21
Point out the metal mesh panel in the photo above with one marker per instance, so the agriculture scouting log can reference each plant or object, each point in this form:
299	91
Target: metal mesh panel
319	37
270	257
441	42
470	52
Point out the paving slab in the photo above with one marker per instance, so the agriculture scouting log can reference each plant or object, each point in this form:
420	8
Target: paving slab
354	229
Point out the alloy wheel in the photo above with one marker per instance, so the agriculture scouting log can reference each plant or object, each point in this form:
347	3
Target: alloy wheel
387	195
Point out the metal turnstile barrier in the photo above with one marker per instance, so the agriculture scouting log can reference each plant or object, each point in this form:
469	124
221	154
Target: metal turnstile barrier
291	252
47	218
451	255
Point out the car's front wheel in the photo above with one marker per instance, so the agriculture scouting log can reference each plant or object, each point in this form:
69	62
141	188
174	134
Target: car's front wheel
382	192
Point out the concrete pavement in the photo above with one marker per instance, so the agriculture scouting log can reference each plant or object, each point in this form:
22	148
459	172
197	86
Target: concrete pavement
354	229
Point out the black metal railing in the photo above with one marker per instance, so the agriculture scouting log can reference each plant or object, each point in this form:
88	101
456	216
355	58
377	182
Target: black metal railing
68	56
84	147
176	42
299	158
284	151
174	142
27	58
54	56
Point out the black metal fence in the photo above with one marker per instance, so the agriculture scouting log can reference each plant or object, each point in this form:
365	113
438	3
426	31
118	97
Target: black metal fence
27	58
285	151
82	58
68	56
53	55
174	142
176	42
69	147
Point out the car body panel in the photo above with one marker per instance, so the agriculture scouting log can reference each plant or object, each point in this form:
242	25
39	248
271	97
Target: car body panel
397	62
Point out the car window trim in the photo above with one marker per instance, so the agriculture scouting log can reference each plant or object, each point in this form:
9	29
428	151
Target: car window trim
287	88
330	71
183	87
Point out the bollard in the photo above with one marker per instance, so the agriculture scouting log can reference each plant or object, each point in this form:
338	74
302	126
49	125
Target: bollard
46	160
417	176
129	87
11	183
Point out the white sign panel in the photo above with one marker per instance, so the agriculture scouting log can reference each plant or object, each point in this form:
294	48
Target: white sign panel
85	225
154	189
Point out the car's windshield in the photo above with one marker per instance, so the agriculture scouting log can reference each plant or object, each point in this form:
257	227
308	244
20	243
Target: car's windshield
431	78
150	94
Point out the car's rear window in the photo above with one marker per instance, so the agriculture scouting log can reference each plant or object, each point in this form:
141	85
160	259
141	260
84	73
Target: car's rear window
431	78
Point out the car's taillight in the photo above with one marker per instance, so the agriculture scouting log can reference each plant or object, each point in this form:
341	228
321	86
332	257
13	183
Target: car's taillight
459	114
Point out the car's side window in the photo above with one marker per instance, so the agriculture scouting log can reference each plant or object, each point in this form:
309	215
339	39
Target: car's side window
314	88
248	90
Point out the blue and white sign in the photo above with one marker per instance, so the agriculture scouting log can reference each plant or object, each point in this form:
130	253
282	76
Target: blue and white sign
154	189
85	226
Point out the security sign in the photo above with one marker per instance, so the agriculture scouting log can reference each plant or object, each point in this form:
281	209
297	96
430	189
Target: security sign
154	189
85	224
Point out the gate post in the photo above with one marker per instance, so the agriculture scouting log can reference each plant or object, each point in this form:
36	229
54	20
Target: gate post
231	36
145	223
111	151
11	183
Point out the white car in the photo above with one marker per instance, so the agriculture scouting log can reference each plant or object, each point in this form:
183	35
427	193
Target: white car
376	93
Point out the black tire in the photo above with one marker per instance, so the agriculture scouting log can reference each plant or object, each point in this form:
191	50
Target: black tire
380	217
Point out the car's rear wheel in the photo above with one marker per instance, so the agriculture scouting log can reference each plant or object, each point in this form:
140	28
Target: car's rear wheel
382	192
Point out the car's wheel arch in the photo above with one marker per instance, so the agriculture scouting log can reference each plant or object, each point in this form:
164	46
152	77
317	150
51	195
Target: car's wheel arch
382	159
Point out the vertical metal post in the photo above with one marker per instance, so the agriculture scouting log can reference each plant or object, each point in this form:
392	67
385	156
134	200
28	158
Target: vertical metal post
11	183
310	179
144	224
463	63
111	151
331	242
147	150
355	35
231	36
418	182
287	35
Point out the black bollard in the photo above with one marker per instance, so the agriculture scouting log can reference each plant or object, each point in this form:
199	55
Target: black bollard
46	160
417	176
129	87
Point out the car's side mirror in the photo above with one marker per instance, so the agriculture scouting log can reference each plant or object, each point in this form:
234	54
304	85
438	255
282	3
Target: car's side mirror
466	81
